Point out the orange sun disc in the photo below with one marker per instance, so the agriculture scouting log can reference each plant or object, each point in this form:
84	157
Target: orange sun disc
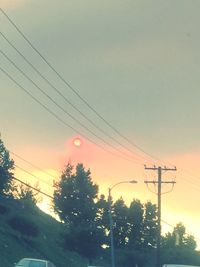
77	142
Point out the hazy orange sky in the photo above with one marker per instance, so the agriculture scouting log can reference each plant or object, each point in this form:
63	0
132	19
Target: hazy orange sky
137	64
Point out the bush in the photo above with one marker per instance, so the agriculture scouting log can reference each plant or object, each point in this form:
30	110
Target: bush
24	226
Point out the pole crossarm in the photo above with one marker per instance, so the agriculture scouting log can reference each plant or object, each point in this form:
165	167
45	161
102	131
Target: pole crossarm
156	182
155	168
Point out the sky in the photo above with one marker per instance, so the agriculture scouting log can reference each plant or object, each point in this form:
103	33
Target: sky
136	64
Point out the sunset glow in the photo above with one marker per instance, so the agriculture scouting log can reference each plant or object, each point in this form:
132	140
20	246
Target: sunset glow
77	142
137	73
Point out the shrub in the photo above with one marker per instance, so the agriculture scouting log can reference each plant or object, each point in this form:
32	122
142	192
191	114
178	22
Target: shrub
24	226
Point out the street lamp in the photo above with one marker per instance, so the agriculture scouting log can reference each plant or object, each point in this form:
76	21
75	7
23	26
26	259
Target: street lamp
111	220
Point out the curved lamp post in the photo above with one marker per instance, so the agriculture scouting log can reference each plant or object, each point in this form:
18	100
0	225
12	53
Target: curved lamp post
111	220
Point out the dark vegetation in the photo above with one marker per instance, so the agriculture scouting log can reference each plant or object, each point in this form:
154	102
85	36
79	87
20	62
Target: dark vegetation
82	235
32	234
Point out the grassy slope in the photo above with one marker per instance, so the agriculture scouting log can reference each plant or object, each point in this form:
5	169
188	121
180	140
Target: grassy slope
47	245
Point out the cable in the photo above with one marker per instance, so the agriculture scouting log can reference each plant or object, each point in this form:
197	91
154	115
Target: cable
20	168
59	119
32	187
54	88
34	166
59	106
73	89
170	190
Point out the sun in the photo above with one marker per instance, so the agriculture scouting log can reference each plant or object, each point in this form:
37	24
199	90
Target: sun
77	142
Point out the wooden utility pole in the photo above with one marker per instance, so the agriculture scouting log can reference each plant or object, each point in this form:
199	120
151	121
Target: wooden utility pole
159	182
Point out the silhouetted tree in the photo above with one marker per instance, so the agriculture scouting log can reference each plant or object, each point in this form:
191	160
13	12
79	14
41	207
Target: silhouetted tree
120	223
27	194
102	217
179	247
75	201
179	238
6	170
135	220
149	225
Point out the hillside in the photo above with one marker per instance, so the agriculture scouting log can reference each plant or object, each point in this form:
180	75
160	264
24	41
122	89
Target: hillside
26	231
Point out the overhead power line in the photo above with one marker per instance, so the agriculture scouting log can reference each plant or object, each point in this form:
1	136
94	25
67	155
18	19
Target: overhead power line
32	187
73	89
61	120
61	108
33	165
65	98
34	176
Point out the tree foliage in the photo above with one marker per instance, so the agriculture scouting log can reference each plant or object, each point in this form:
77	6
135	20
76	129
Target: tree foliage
26	194
120	226
179	239
134	227
135	219
150	225
75	195
6	170
75	201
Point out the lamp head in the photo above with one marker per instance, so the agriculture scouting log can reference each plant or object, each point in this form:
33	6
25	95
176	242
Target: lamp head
133	182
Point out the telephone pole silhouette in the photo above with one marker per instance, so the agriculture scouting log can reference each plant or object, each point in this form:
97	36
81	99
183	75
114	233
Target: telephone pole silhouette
159	182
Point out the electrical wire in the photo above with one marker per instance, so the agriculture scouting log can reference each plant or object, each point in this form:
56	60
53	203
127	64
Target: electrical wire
54	88
32	187
29	173
31	164
73	89
60	107
62	121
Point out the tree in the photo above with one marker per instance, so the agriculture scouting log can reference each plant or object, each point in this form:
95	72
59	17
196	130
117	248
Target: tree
179	238
102	217
135	220
150	225
75	195
26	194
75	201
6	168
179	247
120	226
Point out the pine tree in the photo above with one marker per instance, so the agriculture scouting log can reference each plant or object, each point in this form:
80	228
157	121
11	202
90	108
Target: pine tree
76	203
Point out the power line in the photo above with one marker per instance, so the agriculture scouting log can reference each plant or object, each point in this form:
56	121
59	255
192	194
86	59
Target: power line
59	106
32	187
31	164
54	88
73	89
29	173
59	119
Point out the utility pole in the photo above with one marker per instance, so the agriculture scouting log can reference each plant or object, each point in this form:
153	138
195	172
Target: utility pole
159	182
